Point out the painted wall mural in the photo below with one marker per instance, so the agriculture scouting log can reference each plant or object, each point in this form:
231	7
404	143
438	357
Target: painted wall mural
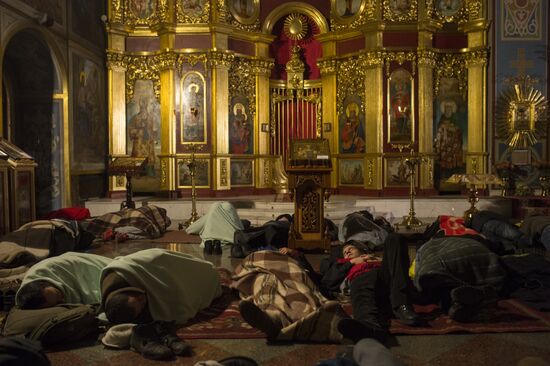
450	132
89	127
400	107
193	108
352	127
143	134
521	46
240	127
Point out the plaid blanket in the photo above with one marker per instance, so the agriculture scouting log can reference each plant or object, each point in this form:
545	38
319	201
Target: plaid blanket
278	285
150	220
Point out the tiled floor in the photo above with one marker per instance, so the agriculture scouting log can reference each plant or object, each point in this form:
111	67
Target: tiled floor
522	349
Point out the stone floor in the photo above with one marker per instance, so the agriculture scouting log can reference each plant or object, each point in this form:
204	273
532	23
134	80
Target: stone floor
522	349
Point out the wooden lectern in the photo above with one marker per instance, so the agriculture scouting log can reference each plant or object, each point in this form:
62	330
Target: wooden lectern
129	167
309	167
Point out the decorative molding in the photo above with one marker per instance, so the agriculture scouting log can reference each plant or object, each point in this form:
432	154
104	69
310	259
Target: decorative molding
426	58
370	172
373	59
400	57
116	61
167	60
117	11
328	66
191	59
473	9
242	81
224	179
262	67
451	65
163	172
220	58
142	68
477	57
351	81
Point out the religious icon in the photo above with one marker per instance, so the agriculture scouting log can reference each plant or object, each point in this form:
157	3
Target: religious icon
142	8
245	11
448	139
347	8
202	171
352	132
397	173
400	7
193	108
400	107
242	173
143	134
240	131
351	172
449	8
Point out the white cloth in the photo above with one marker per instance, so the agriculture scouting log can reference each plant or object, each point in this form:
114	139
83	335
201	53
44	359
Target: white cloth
75	274
220	223
177	285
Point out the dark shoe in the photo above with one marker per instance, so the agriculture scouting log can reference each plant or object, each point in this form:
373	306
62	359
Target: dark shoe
356	330
167	331
257	318
237	251
463	313
467	295
217	247
407	315
208	247
238	361
145	340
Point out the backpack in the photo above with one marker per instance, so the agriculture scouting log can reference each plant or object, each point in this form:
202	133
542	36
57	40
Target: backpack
21	352
53	326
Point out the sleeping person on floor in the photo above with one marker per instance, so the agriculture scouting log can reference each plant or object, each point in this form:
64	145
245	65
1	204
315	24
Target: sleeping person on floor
217	227
378	288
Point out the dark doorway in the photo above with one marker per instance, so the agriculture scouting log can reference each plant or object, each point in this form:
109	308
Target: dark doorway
29	74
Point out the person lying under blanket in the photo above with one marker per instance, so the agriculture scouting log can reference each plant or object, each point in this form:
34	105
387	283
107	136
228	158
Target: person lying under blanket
538	229
157	285
216	228
71	278
377	288
144	222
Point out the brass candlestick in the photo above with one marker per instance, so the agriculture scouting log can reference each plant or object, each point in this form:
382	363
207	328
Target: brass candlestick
412	162
192	170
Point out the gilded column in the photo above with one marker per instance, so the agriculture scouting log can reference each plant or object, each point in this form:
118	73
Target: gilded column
426	64
219	63
329	68
476	63
116	91
374	109
262	70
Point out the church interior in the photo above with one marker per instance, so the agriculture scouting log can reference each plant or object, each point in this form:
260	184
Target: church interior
410	109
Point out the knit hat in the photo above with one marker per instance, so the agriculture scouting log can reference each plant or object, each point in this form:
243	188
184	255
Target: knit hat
118	336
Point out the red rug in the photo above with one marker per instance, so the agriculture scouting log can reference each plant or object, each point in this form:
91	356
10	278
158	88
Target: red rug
223	321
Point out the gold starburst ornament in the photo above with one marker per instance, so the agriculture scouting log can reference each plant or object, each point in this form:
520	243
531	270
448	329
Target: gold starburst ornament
521	114
296	26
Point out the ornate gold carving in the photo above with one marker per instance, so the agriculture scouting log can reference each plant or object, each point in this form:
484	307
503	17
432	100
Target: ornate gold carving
328	66
242	81
373	59
458	15
477	57
191	59
166	60
366	13
201	15
116	61
474	165
310	212
370	172
451	65
220	58
351	81
400	57
132	19
224	15
295	26
473	8
223	173
142	68
400	15
426	58
295	68
261	67
162	14
521	113
163	172
117	10
267	172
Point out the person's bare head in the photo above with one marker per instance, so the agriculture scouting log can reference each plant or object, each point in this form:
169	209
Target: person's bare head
125	306
39	294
